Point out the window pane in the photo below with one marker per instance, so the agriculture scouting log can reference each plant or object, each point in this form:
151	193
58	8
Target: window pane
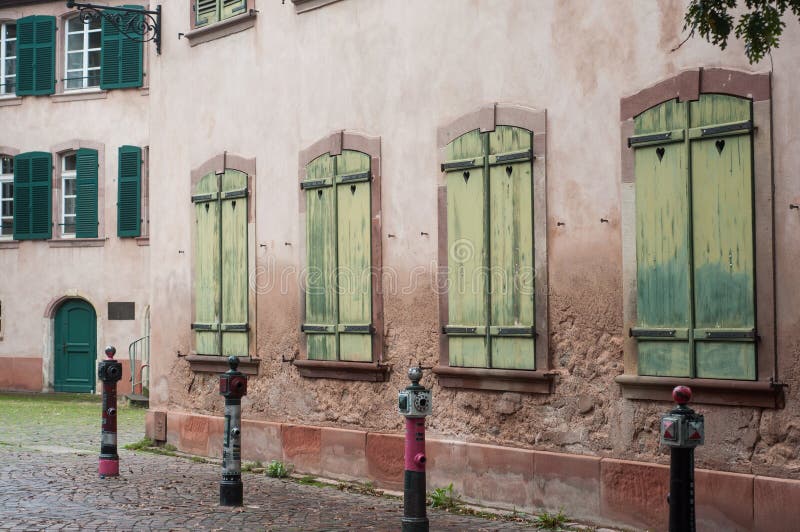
6	165
74	83
8	194
94	40
69	208
94	59
75	42
11	31
69	187
94	78
7	208
94	24
75	24
69	162
8	227
11	48
74	60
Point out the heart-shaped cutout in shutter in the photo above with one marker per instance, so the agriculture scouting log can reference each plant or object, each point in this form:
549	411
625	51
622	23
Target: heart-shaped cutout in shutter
660	153
352	189
466	177
720	144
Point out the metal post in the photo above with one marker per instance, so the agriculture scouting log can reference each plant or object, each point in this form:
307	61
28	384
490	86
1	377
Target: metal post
682	430
110	372
415	403
232	386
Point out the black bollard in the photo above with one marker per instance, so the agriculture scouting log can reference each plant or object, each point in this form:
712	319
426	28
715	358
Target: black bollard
682	430
232	386
110	372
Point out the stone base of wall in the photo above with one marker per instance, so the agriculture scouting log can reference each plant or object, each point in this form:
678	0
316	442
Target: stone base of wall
23	374
600	490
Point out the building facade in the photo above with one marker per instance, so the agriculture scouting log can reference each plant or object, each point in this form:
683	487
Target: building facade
544	203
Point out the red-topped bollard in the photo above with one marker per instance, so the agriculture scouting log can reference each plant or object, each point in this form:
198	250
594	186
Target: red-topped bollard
110	372
682	430
415	404
232	386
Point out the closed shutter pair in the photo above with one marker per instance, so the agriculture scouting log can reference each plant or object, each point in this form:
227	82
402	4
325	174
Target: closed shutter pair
210	11
33	194
120	64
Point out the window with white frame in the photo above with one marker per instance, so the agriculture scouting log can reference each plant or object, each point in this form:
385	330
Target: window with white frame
8	57
68	193
6	196
82	62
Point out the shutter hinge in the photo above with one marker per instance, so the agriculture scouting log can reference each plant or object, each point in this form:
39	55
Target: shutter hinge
653	333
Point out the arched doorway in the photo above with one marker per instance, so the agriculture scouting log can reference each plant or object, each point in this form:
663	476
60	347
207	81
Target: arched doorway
75	347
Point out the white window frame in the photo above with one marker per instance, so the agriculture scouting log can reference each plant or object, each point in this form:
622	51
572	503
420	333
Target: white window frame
85	50
6	178
67	175
5	76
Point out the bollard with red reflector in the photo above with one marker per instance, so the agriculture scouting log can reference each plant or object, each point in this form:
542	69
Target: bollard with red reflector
232	386
415	403
682	430
110	372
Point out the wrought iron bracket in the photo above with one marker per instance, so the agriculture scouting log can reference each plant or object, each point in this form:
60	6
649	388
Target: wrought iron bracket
143	28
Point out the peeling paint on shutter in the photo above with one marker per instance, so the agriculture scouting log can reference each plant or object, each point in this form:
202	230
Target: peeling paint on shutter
86	195
321	241
511	273
207	281
234	322
231	8
206	12
129	191
354	256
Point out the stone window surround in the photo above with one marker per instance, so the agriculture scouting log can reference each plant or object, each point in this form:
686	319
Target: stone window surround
214	363
687	86
59	151
221	28
9	243
9	99
541	379
377	370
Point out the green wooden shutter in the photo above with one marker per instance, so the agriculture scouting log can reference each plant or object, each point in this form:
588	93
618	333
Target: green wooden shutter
22	196
41	198
511	260
129	191
354	273
722	221
121	57
86	193
207	266
231	8
321	239
36	40
467	251
664	305
206	12
234	322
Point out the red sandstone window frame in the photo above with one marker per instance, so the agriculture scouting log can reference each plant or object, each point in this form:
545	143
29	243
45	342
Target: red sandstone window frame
540	380
766	391
377	370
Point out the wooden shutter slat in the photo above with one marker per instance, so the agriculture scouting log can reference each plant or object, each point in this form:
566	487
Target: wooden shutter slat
234	265
129	191
207	269
206	12
467	253
663	244
511	274
354	255
231	8
724	275
86	193
321	237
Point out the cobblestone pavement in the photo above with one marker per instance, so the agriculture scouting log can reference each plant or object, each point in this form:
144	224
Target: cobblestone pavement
48	481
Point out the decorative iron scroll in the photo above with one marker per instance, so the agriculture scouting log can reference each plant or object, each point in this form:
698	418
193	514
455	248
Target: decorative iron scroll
145	26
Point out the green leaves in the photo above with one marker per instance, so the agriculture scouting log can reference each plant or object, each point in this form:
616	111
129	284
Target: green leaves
759	26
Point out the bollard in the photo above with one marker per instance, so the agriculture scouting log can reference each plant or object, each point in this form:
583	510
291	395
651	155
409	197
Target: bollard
415	403
682	430
232	386
110	372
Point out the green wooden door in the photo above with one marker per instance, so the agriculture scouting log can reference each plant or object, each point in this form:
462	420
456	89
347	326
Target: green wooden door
75	347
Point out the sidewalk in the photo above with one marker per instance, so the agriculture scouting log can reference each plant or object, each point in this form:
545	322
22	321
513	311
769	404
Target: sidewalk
48	481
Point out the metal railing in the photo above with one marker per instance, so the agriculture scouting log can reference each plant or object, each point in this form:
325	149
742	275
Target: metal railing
139	350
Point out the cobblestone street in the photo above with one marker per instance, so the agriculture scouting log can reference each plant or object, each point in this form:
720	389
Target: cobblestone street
48	481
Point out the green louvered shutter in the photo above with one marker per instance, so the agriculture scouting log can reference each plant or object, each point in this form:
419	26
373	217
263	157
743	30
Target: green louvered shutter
234	322
129	191
86	193
722	222
36	55
207	266
321	238
354	279
206	12
663	242
22	196
231	8
41	199
467	251
511	260
121	57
